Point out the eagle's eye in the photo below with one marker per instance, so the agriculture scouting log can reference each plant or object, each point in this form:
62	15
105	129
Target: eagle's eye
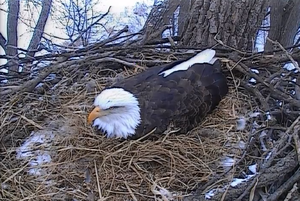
114	107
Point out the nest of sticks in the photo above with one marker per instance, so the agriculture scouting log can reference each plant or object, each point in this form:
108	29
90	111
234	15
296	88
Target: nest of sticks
48	152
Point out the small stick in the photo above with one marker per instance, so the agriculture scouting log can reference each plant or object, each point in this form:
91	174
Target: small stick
130	191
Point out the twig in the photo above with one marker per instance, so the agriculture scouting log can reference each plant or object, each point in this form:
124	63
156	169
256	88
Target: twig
119	61
285	187
31	122
114	37
98	183
297	141
244	69
91	25
286	52
276	149
256	92
130	191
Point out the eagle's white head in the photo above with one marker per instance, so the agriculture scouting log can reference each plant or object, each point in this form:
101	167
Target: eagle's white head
116	112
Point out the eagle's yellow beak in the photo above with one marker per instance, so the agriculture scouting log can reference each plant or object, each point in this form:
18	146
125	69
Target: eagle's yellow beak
94	114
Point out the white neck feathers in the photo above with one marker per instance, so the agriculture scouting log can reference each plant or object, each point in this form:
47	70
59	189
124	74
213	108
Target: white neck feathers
122	113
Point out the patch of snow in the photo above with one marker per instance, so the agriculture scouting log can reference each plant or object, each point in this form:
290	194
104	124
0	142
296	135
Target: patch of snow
4	81
39	85
3	70
241	123
262	135
210	194
50	77
269	117
255	71
227	163
256	125
254	114
33	150
252	80
268	156
253	168
289	66
237	181
164	193
4	186
242	144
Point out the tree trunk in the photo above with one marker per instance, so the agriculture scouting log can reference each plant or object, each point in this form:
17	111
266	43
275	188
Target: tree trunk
202	22
160	19
12	35
184	14
284	15
39	28
232	22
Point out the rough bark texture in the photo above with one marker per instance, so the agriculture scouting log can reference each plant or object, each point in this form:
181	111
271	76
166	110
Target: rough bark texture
284	15
12	33
203	23
160	19
39	29
233	22
184	13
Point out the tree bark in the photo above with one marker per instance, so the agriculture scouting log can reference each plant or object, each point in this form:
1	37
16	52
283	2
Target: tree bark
12	35
233	22
39	28
185	6
202	22
160	19
284	15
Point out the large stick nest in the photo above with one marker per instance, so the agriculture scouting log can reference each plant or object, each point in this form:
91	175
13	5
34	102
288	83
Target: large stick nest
256	123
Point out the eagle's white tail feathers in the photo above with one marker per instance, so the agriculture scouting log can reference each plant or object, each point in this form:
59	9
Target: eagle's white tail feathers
206	56
213	60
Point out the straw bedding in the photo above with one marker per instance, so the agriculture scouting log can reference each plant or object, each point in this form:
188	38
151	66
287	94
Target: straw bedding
85	165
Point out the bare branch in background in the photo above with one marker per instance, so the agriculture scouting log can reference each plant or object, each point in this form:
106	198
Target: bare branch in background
91	25
12	36
285	21
39	28
2	41
83	23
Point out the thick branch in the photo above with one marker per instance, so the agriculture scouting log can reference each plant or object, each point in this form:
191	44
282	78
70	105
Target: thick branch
3	42
12	27
12	34
39	29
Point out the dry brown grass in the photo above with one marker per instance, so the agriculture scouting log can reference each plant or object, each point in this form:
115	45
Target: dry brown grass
87	166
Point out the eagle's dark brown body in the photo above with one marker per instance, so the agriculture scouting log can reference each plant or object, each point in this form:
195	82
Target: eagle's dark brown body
183	98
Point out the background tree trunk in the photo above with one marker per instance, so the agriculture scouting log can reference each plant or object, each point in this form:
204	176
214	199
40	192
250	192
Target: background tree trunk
185	7
284	15
12	35
233	22
39	29
202	22
160	19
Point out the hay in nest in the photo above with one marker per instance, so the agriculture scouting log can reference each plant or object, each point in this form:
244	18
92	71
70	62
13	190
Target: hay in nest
68	160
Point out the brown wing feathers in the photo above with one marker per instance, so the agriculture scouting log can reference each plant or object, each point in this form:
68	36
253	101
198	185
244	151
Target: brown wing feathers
183	97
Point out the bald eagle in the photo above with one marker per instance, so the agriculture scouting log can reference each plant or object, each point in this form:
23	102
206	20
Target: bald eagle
181	94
